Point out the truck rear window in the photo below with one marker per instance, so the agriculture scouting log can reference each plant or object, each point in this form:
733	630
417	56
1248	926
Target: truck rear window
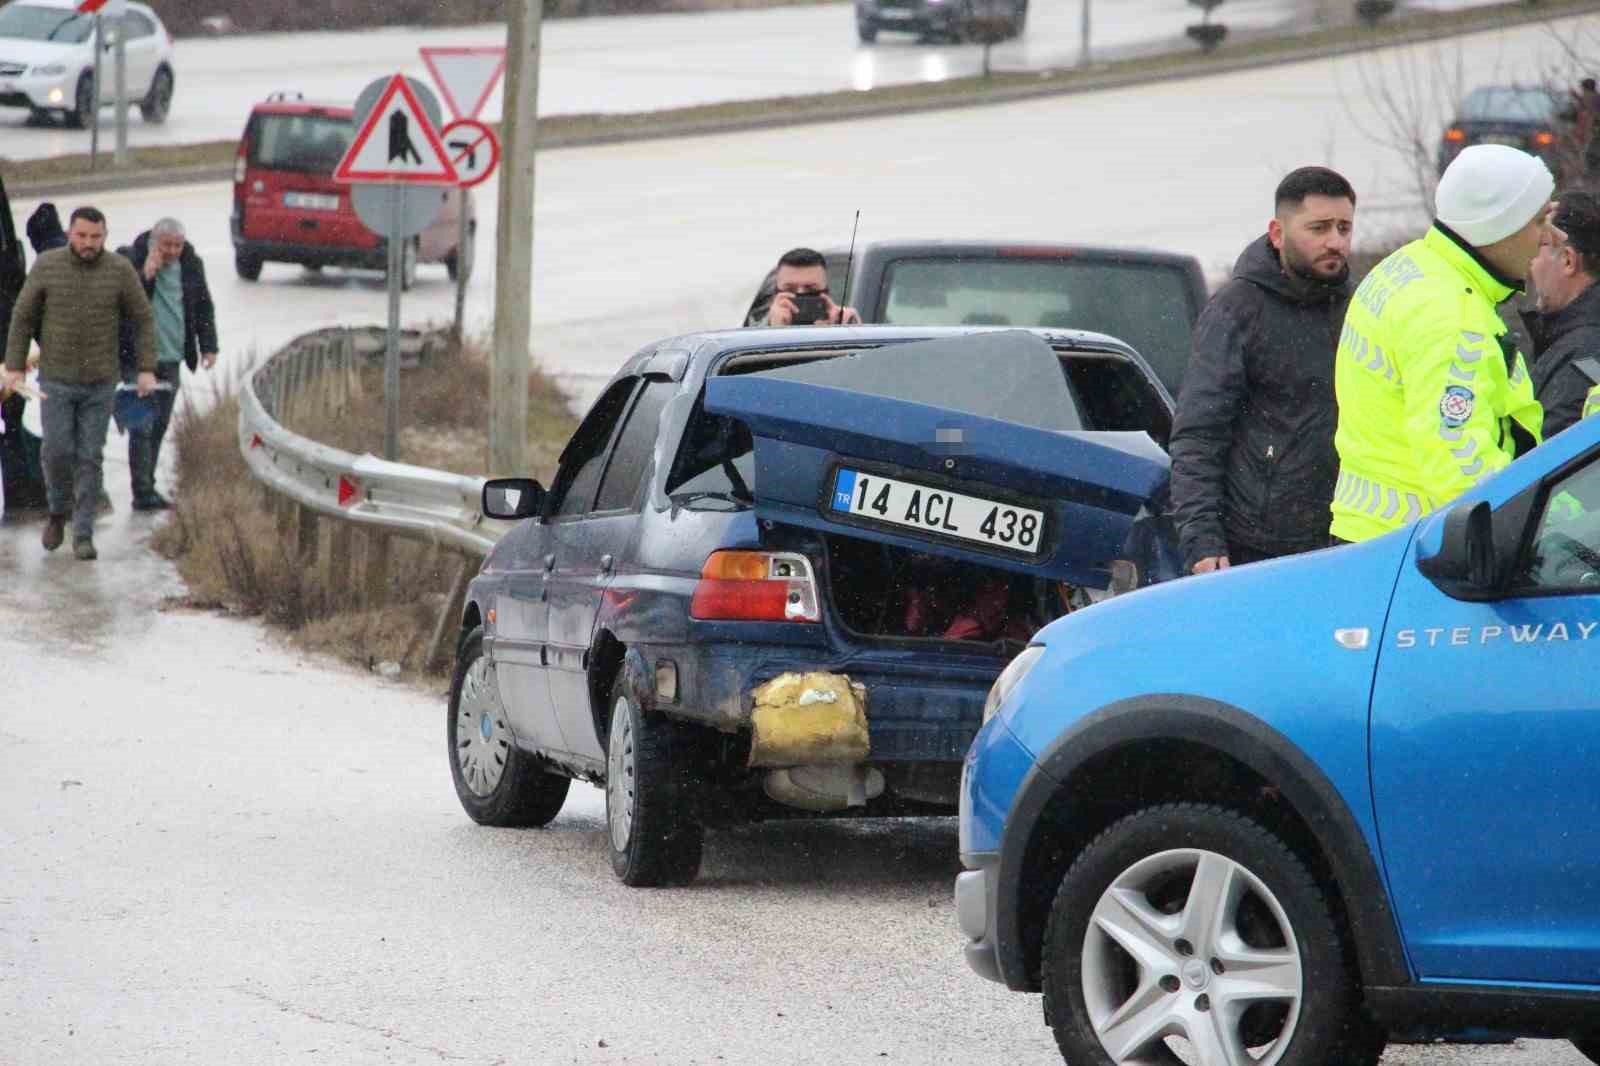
1145	305
309	143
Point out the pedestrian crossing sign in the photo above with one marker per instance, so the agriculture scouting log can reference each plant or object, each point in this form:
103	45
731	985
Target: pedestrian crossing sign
397	143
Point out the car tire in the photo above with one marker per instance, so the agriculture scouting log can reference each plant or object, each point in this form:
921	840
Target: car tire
248	267
653	824
157	103
456	259
83	102
867	31
1130	891
497	783
408	265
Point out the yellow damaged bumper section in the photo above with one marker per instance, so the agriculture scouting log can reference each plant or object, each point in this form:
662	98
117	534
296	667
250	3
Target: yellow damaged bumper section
811	729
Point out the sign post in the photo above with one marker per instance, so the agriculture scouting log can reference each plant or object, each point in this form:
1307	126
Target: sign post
102	10
397	149
466	77
513	280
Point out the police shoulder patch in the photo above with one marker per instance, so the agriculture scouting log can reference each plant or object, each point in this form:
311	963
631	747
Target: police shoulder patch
1455	406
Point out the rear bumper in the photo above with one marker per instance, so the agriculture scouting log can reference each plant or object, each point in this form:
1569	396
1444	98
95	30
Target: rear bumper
313	254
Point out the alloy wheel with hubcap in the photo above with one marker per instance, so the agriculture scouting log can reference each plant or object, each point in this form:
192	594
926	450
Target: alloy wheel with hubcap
497	782
1191	933
157	103
83	103
653	822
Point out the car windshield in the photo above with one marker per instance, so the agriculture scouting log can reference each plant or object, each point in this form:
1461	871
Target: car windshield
1144	304
312	143
30	22
1500	103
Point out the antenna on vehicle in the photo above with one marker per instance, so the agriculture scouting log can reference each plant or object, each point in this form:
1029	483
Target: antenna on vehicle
849	261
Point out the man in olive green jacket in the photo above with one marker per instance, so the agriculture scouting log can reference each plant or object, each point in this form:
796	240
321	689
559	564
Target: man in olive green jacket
74	300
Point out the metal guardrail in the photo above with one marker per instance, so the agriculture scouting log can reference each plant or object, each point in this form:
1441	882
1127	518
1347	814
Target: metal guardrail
320	370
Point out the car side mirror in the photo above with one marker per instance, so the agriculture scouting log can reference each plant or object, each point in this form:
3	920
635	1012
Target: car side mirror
1467	566
513	497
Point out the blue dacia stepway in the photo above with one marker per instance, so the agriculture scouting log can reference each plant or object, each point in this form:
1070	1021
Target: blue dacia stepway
1278	812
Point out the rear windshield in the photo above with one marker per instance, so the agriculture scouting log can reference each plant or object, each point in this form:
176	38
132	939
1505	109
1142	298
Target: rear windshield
1145	305
33	23
1505	104
310	143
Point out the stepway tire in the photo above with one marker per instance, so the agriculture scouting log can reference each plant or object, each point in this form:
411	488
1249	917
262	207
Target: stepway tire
157	103
83	101
1195	924
652	813
497	783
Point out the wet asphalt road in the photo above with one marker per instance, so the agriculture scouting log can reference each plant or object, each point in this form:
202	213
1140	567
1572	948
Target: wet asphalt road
216	850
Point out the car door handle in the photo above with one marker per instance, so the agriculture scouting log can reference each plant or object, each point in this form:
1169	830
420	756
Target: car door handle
549	562
606	563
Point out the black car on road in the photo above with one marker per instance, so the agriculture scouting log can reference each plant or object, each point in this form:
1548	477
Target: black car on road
955	20
778	571
1532	118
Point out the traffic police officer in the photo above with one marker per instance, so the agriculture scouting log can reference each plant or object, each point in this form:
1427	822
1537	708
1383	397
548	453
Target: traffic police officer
1433	396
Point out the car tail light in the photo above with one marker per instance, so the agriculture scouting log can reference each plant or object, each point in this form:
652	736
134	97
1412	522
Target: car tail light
1455	134
749	586
240	163
1544	139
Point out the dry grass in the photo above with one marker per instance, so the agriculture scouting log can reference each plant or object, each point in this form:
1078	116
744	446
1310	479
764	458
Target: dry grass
234	554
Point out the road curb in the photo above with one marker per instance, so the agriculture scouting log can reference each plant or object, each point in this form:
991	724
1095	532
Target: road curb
826	108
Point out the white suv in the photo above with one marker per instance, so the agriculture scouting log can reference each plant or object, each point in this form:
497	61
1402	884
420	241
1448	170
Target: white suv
47	60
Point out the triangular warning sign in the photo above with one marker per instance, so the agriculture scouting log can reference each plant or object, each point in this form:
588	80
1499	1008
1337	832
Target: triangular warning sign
465	76
397	143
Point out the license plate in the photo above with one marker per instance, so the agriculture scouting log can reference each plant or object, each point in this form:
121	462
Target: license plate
311	201
992	523
1501	138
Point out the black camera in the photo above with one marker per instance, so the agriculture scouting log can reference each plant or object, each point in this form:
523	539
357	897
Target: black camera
809	308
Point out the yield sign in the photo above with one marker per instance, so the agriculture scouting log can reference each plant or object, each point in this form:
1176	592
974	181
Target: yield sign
466	76
397	143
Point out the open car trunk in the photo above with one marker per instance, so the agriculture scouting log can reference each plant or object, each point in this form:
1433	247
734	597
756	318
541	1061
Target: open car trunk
969	488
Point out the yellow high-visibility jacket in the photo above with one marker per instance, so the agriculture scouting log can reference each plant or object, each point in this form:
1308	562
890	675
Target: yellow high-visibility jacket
1591	402
1430	391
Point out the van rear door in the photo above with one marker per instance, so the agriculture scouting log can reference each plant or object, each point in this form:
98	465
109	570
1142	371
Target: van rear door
290	194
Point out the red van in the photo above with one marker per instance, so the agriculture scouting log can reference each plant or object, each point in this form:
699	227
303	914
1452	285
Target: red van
288	209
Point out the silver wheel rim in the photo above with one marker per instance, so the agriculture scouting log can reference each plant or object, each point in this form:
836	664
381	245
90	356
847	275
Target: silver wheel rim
620	776
483	743
1165	958
408	264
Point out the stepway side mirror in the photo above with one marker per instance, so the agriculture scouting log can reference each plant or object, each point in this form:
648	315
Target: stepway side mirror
1467	565
513	497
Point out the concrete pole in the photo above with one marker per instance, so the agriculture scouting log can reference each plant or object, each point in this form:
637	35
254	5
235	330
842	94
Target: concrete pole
513	283
1083	37
121	158
94	112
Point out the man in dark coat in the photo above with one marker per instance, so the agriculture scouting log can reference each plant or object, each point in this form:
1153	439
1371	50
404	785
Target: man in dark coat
21	476
1567	327
1253	462
186	334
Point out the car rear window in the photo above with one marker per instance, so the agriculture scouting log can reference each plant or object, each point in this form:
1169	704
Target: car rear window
1506	104
33	23
310	143
1143	304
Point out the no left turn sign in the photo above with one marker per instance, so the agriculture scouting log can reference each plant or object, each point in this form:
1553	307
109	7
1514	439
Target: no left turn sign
473	150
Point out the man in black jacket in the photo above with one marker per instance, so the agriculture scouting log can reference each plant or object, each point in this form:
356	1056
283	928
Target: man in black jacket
186	334
1253	462
1567	327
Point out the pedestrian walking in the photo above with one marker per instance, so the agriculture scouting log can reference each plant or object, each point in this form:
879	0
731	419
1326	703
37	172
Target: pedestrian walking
174	279
1253	463
75	298
1433	395
21	482
1566	328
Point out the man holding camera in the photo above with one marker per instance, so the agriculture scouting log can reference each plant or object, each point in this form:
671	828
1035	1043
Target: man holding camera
800	296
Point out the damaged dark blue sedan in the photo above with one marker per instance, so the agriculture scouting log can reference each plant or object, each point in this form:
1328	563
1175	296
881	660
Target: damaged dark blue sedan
778	571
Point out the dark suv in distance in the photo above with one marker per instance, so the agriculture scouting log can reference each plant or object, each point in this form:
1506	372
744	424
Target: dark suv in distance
955	20
778	571
1533	118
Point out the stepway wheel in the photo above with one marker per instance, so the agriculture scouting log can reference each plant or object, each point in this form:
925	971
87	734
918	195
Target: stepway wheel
158	101
1192	931
653	819
497	783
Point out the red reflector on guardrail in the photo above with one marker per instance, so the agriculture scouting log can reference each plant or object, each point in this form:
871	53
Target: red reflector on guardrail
349	491
255	440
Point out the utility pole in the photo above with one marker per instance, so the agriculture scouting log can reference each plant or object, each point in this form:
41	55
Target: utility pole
1083	37
513	283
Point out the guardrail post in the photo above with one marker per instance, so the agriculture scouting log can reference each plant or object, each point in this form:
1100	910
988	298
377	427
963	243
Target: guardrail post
341	542
377	583
440	643
306	540
284	511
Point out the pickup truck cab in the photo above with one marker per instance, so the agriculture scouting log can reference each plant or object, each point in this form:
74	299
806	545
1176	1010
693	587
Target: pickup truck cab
1353	791
1147	299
